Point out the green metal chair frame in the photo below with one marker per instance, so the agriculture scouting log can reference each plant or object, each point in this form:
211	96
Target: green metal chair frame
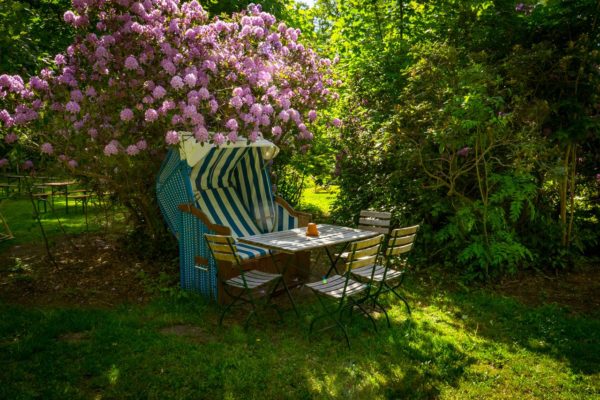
347	292
387	278
223	248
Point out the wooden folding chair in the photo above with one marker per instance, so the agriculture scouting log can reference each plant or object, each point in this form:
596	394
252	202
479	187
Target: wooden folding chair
242	287
385	275
344	291
374	221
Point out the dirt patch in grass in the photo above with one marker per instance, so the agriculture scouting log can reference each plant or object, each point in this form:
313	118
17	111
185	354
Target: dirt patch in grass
97	270
191	332
74	337
89	270
578	291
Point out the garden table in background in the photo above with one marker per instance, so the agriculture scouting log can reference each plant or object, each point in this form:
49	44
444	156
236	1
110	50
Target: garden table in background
58	187
10	178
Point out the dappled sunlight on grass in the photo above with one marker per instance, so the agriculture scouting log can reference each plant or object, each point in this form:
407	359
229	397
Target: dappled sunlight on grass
456	345
56	221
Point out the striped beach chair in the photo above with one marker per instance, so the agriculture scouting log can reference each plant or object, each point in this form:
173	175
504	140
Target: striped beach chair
223	190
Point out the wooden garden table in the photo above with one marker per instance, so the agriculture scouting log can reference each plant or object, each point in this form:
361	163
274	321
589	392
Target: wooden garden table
59	187
295	240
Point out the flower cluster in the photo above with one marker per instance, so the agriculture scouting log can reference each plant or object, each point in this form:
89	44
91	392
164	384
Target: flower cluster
148	69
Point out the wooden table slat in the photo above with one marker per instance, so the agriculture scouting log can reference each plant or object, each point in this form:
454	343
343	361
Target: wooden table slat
295	240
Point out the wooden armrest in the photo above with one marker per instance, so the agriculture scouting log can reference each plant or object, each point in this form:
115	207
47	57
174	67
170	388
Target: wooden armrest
219	229
303	217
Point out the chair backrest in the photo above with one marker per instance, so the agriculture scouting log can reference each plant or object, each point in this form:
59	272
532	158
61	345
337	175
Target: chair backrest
401	241
363	252
375	221
223	248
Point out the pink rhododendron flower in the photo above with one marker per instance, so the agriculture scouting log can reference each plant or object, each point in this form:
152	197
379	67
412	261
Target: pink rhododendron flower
463	152
59	59
177	82
253	137
232	137
218	139
46	148
142	145
150	115
111	149
214	106
90	91
126	114
159	92
204	93
72	107
10	138
236	102
72	163
93	132
131	63
190	80
69	17
132	150
276	130
336	122
312	115
201	134
284	116
232	124
172	137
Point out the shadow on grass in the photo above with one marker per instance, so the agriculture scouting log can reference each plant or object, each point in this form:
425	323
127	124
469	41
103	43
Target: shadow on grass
134	352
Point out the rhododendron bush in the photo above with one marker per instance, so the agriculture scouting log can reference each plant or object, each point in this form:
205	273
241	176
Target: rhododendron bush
138	73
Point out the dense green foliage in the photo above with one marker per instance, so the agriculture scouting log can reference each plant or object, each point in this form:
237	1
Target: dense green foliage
478	118
31	33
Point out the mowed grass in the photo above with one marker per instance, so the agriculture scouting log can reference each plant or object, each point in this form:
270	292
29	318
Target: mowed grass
456	345
19	214
318	200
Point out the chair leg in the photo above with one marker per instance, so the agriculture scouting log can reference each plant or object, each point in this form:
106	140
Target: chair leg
336	318
398	295
387	318
227	308
367	314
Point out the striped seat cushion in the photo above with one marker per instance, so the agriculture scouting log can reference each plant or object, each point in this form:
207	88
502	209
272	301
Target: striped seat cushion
248	252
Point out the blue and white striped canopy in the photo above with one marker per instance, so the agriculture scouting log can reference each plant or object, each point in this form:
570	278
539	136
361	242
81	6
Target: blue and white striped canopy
232	186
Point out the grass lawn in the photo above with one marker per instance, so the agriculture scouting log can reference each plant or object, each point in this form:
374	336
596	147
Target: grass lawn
318	201
459	343
56	221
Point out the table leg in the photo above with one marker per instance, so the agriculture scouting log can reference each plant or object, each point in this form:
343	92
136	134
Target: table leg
67	199
282	271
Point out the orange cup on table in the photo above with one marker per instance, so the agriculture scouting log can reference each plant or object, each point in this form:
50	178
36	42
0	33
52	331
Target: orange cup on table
311	229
